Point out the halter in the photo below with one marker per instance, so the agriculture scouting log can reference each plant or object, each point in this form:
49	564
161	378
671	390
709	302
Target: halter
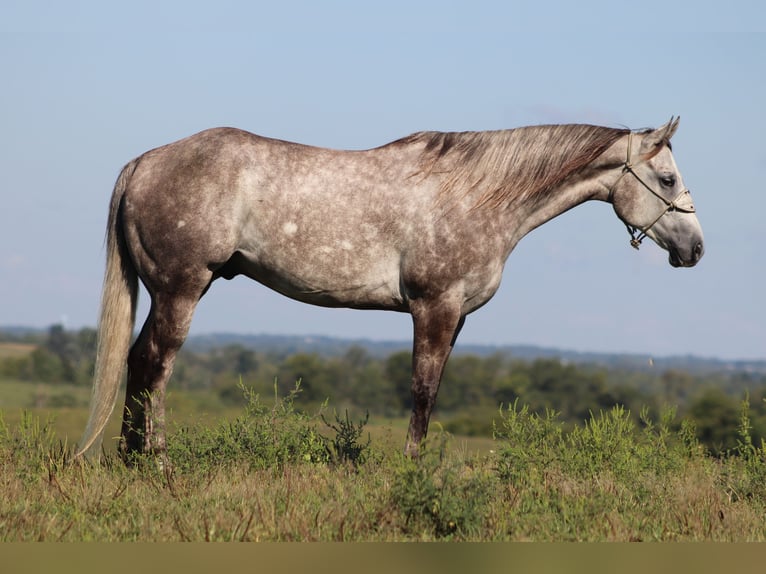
637	234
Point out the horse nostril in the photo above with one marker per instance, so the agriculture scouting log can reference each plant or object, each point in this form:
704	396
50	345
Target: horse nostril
698	249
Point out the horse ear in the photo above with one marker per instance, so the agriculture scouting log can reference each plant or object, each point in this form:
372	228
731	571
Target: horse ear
654	140
671	127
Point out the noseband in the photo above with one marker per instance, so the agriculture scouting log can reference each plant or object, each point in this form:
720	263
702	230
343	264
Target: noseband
637	234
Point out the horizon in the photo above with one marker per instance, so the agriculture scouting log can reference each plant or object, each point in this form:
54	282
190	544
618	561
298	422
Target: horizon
405	344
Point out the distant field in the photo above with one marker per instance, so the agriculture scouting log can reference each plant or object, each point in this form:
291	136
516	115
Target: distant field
63	406
13	350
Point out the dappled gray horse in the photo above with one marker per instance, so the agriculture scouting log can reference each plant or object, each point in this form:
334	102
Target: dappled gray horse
422	225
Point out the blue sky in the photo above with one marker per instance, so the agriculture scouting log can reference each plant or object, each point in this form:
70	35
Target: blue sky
89	85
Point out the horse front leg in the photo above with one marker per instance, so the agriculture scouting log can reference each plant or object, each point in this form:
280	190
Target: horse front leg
436	325
150	364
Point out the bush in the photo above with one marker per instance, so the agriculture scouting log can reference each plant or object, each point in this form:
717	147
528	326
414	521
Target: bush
345	447
439	495
531	444
608	444
264	437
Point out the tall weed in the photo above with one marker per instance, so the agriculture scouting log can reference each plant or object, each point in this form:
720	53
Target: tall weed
32	447
345	447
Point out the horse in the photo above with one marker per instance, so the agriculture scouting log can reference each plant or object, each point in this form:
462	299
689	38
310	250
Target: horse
421	225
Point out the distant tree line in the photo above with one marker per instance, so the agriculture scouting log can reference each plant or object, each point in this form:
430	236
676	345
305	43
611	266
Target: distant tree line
472	391
59	356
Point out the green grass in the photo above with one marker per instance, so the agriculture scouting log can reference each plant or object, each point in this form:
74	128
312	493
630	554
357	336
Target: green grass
270	472
23	394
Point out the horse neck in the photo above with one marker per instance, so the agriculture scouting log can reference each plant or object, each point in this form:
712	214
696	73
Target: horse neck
592	183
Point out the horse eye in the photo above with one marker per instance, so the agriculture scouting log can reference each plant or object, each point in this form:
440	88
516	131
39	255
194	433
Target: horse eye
668	180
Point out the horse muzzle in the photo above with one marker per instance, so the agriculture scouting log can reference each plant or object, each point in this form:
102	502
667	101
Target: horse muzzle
686	258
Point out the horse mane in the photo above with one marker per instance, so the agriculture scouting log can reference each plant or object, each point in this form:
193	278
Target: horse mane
502	167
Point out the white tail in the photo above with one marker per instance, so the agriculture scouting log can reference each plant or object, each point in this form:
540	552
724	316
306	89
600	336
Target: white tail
115	324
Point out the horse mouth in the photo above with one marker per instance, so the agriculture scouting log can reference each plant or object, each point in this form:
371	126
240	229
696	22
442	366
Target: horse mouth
695	254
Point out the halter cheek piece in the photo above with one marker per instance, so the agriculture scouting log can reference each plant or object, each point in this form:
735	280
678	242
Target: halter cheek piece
637	234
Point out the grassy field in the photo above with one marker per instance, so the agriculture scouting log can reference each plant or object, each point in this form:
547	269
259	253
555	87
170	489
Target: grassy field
269	472
15	350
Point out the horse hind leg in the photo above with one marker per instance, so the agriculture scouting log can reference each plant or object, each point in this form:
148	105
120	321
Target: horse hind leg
150	364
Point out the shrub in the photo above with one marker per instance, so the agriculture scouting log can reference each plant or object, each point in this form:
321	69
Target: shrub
345	446
440	495
534	446
265	436
530	444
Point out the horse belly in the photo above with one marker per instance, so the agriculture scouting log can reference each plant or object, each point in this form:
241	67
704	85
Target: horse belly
330	275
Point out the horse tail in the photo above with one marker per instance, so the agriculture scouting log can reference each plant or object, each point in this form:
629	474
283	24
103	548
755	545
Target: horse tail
115	325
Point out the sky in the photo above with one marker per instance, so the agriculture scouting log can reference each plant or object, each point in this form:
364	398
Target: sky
87	86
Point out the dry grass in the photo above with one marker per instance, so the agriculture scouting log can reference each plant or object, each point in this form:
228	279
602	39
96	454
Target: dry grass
15	350
322	503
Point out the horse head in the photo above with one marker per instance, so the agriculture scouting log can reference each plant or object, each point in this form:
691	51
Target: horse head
652	201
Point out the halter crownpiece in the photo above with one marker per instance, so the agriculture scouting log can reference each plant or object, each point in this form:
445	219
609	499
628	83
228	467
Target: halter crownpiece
637	234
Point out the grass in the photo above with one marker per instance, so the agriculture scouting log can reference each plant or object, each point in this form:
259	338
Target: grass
275	473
